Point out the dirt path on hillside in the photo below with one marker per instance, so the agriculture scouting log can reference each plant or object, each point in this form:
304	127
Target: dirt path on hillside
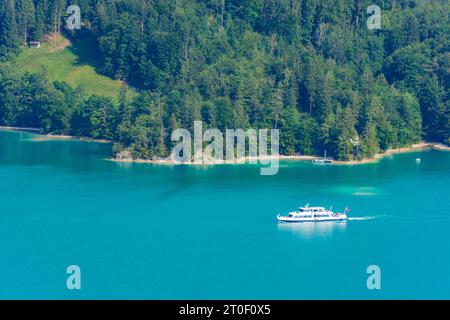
57	42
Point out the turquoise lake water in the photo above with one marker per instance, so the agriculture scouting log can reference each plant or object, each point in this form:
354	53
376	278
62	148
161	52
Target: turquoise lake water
141	231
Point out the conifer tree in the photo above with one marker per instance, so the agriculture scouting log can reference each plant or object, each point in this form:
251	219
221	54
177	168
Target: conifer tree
25	18
9	39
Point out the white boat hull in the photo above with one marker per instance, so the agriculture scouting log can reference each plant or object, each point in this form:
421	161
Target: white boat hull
336	217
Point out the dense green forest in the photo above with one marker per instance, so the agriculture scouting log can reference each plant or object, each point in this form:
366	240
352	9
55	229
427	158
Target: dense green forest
310	68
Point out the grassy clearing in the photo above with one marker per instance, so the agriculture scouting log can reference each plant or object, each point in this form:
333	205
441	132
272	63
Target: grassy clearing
73	63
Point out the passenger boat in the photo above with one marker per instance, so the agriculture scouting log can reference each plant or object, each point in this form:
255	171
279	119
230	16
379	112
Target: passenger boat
313	214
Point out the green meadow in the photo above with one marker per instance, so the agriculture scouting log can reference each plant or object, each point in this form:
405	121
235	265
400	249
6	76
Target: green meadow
74	63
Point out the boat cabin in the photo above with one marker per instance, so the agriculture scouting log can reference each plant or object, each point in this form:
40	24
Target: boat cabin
308	212
311	209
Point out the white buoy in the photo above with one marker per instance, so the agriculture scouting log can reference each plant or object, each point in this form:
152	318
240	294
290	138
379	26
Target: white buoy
418	160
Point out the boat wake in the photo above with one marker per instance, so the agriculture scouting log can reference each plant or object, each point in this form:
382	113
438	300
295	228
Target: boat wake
364	218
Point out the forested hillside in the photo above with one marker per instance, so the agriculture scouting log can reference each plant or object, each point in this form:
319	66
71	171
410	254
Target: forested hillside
310	68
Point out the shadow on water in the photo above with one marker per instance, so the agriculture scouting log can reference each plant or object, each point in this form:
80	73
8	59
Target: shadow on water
170	193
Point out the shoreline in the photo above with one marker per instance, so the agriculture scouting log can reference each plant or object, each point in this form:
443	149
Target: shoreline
424	145
24	129
245	160
49	137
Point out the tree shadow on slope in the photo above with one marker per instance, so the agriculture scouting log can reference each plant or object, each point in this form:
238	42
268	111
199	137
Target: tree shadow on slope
84	46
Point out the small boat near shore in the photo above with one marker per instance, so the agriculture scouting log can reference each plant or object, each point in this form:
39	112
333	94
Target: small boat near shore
323	160
313	214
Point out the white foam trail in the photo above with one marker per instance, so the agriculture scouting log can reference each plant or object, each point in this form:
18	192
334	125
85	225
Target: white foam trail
363	218
364	193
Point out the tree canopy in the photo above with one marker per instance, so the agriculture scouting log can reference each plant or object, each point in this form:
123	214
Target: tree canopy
310	68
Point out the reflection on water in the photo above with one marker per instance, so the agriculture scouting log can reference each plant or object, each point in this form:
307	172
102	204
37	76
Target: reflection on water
313	229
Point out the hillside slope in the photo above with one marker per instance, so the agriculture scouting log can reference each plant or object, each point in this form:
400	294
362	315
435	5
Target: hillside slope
311	69
72	62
